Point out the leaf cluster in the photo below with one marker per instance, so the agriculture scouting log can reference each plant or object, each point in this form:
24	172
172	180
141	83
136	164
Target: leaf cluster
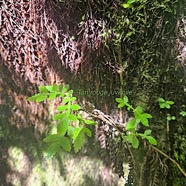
132	125
71	128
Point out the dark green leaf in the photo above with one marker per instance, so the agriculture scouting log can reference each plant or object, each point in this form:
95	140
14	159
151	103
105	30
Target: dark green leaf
75	107
87	131
51	138
65	144
62	126
53	149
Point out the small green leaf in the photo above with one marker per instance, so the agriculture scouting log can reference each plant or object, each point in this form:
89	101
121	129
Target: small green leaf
79	141
119	100
89	122
138	110
59	116
131	1
167	105
52	96
183	113
76	132
162	105
146	115
71	130
147	132
62	108
169	118
151	140
49	88
55	88
135	142
125	99
51	138
66	100
173	118
121	105
34	97
161	100
75	107
73	98
170	102
65	144
131	124
53	149
87	131
72	117
43	89
41	98
62	126
144	121
126	5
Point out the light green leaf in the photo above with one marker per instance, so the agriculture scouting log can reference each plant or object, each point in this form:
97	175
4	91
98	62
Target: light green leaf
126	5
135	142
41	98
131	1
73	98
49	88
89	122
62	108
34	97
66	100
146	115
170	102
125	99
131	124
173	118
121	105
65	144
59	116
76	132
138	110
62	126
75	107
167	105
119	100
71	130
55	88
169	118
43	89
144	120
72	117
79	142
161	100
147	132
183	113
151	140
87	131
52	96
51	138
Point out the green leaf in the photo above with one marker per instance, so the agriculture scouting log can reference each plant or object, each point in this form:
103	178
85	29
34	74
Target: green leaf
41	98
183	113
79	141
55	88
131	1
135	142
76	132
49	88
138	110
53	149
62	126
59	116
65	144
151	140
87	131
43	89
146	115
170	102
51	138
66	100
167	105
131	124
169	118
71	130
161	100
144	120
126	5
52	96
147	132
75	107
89	122
62	108
72	117
34	97
125	99
73	98
121	105
162	105
173	118
119	100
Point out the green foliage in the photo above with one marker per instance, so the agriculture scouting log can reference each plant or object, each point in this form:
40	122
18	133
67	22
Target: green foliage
165	104
132	125
71	130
